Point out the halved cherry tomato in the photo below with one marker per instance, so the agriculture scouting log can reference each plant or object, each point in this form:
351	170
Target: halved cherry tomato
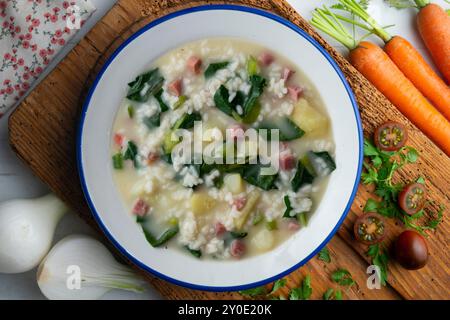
390	136
369	228
412	198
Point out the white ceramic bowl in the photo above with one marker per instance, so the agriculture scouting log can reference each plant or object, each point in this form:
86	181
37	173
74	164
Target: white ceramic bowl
131	59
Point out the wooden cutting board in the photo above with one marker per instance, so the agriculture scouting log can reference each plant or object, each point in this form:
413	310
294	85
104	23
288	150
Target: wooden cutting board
42	132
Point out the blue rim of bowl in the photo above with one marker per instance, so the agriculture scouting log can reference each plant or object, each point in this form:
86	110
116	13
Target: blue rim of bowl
173	15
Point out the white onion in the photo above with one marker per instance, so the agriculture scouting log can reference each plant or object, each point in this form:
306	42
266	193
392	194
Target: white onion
26	231
80	267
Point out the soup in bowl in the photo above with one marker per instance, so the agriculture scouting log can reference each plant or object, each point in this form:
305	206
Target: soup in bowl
220	156
231	97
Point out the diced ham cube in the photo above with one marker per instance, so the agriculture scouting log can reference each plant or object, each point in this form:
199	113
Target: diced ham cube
119	139
293	225
219	229
287	160
237	248
239	203
194	64
236	132
152	157
266	58
140	208
287	73
175	87
295	92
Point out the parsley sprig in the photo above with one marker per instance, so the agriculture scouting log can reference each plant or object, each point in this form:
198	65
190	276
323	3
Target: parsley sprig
324	255
379	171
343	277
303	292
379	258
332	294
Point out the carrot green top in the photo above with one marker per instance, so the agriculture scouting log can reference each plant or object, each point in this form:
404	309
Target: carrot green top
421	3
325	20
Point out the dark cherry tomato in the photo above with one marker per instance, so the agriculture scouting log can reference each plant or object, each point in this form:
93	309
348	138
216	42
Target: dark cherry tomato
390	136
369	228
412	198
411	250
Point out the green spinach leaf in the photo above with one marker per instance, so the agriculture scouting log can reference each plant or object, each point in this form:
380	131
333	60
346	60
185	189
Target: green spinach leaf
251	104
252	174
145	85
301	177
131	153
214	67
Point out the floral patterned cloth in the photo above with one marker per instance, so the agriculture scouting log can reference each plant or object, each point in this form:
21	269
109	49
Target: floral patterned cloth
31	33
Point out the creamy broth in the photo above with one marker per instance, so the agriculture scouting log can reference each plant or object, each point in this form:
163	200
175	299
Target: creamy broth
221	213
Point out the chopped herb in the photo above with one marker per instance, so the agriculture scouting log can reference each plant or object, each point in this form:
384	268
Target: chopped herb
131	111
131	153
303	292
379	258
280	283
258	219
331	294
162	105
272	225
342	277
117	161
252	66
254	292
173	221
324	255
145	85
195	253
328	295
301	217
371	206
214	67
153	121
170	141
420	180
181	100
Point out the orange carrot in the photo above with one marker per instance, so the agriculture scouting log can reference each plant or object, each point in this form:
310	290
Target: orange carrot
416	69
379	69
434	27
406	57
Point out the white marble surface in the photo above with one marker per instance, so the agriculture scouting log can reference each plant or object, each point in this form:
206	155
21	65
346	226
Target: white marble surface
16	180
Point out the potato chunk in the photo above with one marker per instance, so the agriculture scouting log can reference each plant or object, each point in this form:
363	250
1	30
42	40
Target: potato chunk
252	200
234	183
307	118
263	240
202	203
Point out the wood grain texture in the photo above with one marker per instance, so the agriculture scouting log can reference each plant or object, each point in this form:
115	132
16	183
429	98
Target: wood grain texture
42	132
